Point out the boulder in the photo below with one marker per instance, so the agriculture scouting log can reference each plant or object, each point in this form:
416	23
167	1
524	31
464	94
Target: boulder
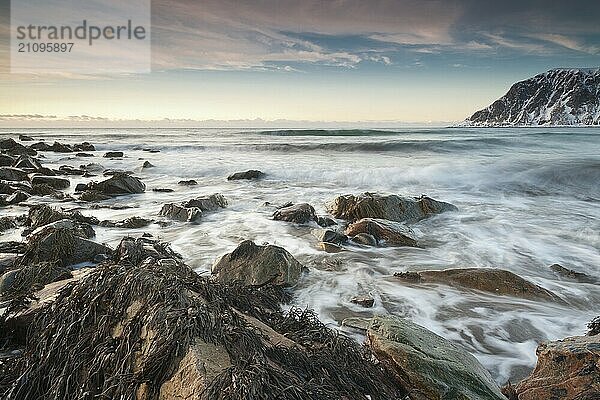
163	190
17	197
147	164
366	239
329	236
117	185
113	154
84	155
91	195
41	215
13	174
7	279
567	369
255	265
25	138
6	160
11	147
27	163
190	182
80	229
250	174
85	146
53	181
325	221
180	213
68	170
572	275
496	281
429	366
298	213
391	207
92	168
330	247
13	247
390	232
41	146
129	223
7	223
363	301
60	148
207	203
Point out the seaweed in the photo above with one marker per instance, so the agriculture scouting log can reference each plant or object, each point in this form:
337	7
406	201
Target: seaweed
129	322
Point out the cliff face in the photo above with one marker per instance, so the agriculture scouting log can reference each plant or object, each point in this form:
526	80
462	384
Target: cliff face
556	97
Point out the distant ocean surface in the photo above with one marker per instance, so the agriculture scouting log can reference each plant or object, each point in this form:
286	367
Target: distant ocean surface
527	198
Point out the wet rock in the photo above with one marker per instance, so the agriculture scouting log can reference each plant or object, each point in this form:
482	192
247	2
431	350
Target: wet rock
7	223
80	229
68	170
85	146
53	181
365	239
8	261
25	138
13	174
129	223
92	168
113	154
594	327
84	155
118	185
27	163
572	275
11	147
40	215
325	222
60	148
429	366
298	213
567	369
390	232
330	247
6	160
190	182
180	213
151	150
147	164
163	190
363	301
13	247
255	265
81	187
329	236
491	280
113	172
391	207
357	323
92	195
17	197
41	146
7	279
45	190
250	174
207	203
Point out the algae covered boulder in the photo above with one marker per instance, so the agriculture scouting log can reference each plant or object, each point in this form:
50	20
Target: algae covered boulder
429	366
254	265
387	206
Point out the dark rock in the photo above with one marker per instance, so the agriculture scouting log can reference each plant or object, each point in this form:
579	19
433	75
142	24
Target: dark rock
60	148
129	223
390	232
41	146
84	155
6	160
594	327
151	150
17	197
119	184
25	138
566	369
180	213
190	182
55	182
391	207
572	275
113	154
13	247
85	146
325	222
330	247
365	239
207	203
7	223
11	147
250	174
92	168
163	190
254	265
92	195
27	163
45	190
13	174
147	164
81	187
491	280
363	301
7	279
68	170
42	214
78	228
329	236
113	172
298	213
429	366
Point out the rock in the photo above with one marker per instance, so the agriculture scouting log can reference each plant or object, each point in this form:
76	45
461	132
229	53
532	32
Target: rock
329	236
41	146
357	323
81	187
13	174
496	281
8	261
190	182
151	150
255	265
53	181
6	160
572	275
365	239
13	247
391	207
84	155
147	164
80	229
25	138
41	215
390	232
163	190
250	174
60	148
180	213
325	222
85	146
330	247
594	327
92	168
363	301
119	184
113	172
7	279
7	223
429	366
91	195
113	154
16	149
68	170
567	369
129	223
27	163
298	213
207	203
17	197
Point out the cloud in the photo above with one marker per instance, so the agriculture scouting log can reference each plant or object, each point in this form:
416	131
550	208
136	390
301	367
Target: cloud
568	42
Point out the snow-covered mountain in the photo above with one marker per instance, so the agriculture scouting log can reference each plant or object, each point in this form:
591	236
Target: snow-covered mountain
556	97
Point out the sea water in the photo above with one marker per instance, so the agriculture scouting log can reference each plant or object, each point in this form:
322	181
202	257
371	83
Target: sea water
527	198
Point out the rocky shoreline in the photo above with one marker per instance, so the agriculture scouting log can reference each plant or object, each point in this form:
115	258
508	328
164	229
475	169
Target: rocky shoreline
81	320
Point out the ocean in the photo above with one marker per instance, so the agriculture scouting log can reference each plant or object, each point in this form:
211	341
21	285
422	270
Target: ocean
527	198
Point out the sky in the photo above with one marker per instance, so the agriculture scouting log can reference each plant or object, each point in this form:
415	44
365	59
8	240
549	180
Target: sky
378	61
